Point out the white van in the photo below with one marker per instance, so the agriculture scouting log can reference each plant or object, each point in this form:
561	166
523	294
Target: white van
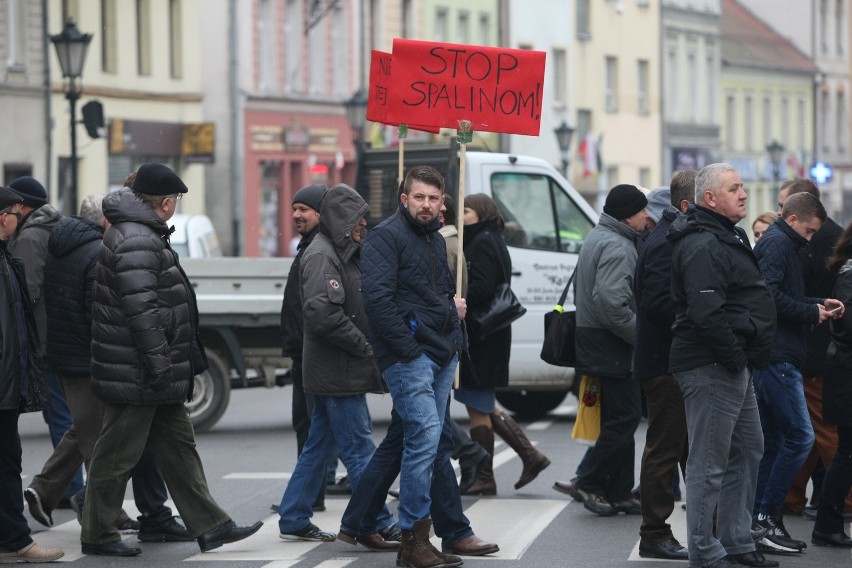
194	236
547	221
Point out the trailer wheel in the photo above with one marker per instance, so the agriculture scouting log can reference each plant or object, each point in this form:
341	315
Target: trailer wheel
531	404
210	395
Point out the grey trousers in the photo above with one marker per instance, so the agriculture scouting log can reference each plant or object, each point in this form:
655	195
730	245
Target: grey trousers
169	434
725	447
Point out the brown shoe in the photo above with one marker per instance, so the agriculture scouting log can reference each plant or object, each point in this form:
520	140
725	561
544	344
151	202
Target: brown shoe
373	542
416	550
34	552
471	546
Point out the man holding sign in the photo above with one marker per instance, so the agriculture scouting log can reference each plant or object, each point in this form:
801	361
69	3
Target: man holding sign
416	338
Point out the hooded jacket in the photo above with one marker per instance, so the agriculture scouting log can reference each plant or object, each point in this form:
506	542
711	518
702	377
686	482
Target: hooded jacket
724	312
337	359
837	388
603	294
777	254
145	346
69	275
30	244
408	292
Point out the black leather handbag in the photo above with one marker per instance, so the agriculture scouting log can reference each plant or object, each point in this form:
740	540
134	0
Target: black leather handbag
502	311
560	327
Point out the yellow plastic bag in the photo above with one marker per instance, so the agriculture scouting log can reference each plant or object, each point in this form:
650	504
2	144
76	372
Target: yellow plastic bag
587	426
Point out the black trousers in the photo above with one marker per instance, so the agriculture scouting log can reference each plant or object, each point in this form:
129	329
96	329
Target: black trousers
835	485
14	530
608	466
666	446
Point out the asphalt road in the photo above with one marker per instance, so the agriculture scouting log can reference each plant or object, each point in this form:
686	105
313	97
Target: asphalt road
249	454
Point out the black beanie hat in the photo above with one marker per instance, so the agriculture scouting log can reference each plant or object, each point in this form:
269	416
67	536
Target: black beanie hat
8	197
32	192
157	179
311	195
624	201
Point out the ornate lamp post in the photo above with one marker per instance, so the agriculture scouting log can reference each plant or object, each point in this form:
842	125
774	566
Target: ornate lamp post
563	136
776	152
356	114
71	48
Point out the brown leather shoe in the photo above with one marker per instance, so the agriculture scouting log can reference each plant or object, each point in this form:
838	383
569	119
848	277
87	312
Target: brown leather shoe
34	552
471	546
373	542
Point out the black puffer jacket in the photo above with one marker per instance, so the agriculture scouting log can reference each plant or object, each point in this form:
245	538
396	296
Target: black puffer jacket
22	385
68	278
819	282
489	264
724	311
405	278
145	348
337	359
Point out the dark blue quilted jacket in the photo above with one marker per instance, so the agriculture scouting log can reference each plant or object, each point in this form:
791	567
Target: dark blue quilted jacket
777	254
408	292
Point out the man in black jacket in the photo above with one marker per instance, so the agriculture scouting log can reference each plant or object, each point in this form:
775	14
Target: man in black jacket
787	431
68	277
416	336
21	390
146	349
819	282
306	216
724	322
666	441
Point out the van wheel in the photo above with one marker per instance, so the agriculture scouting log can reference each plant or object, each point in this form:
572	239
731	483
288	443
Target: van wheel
210	395
531	404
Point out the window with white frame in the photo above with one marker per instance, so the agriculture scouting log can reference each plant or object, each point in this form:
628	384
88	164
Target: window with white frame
109	36
692	84
560	77
441	31
265	44
840	122
748	114
800	123
710	49
583	28
840	26
463	34
730	122
143	37
407	19
642	81
824	122
485	29
767	120
294	36
823	25
784	115
340	51
175	38
671	110
317	45
611	87
15	35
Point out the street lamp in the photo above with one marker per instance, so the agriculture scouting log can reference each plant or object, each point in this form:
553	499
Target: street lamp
356	113
563	137
71	47
776	151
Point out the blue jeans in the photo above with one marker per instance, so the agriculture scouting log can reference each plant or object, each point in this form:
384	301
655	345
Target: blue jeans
420	391
787	433
366	502
57	416
337	423
725	445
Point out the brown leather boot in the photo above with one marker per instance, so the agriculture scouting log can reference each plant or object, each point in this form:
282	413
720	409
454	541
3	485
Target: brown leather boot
416	551
534	461
484	484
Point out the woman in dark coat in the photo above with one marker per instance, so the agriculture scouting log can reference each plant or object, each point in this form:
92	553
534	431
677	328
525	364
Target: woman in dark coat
489	265
837	404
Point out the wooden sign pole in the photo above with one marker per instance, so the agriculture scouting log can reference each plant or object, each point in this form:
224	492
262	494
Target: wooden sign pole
465	137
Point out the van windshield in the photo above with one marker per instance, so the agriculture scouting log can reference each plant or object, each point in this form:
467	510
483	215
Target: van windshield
538	213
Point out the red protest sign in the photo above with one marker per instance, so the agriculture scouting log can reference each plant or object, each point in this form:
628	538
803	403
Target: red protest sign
497	89
380	83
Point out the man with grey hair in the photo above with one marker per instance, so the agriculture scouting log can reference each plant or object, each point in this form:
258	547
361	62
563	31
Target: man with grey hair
724	323
146	349
68	276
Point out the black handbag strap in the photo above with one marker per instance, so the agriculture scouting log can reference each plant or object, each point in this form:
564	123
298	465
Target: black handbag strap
567	287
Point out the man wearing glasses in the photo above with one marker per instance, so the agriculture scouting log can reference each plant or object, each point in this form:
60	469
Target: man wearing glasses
146	349
21	390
